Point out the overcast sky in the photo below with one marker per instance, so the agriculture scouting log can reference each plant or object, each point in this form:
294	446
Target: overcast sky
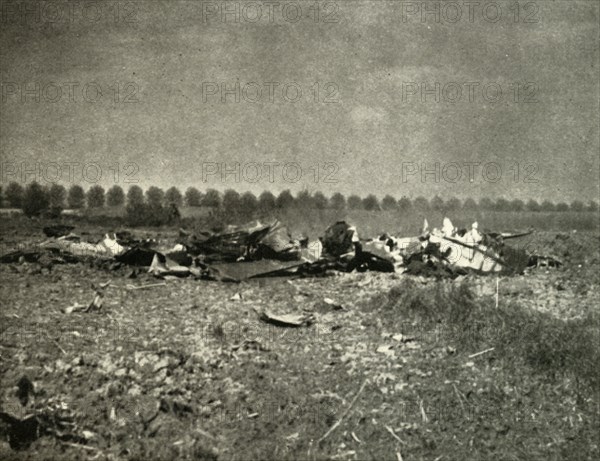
367	120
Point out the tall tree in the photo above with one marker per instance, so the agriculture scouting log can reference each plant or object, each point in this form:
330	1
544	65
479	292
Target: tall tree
389	203
115	196
304	200
212	198
135	196
319	200
470	205
437	204
547	205
502	204
517	205
57	195
95	197
266	202
453	204
248	203
14	195
155	196
173	196
76	197
533	206
577	205
231	201
562	207
337	201
486	204
354	202
370	203
284	200
193	197
421	204
404	204
35	200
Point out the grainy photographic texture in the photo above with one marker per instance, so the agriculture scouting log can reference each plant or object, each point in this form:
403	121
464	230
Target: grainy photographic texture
299	230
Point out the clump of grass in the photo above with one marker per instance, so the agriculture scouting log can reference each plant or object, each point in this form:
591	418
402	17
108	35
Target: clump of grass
555	346
548	345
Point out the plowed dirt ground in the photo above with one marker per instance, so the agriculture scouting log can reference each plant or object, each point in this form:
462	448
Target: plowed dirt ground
395	368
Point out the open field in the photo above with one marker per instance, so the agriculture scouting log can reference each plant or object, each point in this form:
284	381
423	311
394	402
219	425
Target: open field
373	223
410	367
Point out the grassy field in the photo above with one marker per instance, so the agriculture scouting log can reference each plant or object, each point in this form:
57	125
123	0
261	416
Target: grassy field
407	367
371	223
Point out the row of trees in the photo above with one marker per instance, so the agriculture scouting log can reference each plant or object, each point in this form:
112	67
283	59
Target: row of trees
96	196
34	199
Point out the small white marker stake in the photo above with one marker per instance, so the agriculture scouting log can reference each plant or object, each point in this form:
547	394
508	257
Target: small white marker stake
497	285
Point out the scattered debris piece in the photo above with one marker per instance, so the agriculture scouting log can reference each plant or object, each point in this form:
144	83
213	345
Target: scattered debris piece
139	255
328	305
346	411
24	390
163	266
20	432
74	308
391	431
339	239
287	320
477	354
293	436
142	287
403	338
97	302
250	242
57	230
240	271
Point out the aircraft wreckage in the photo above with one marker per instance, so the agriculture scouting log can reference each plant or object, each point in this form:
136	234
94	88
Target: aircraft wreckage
261	250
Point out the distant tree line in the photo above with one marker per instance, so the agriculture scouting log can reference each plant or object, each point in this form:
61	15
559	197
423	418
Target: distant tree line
35	199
